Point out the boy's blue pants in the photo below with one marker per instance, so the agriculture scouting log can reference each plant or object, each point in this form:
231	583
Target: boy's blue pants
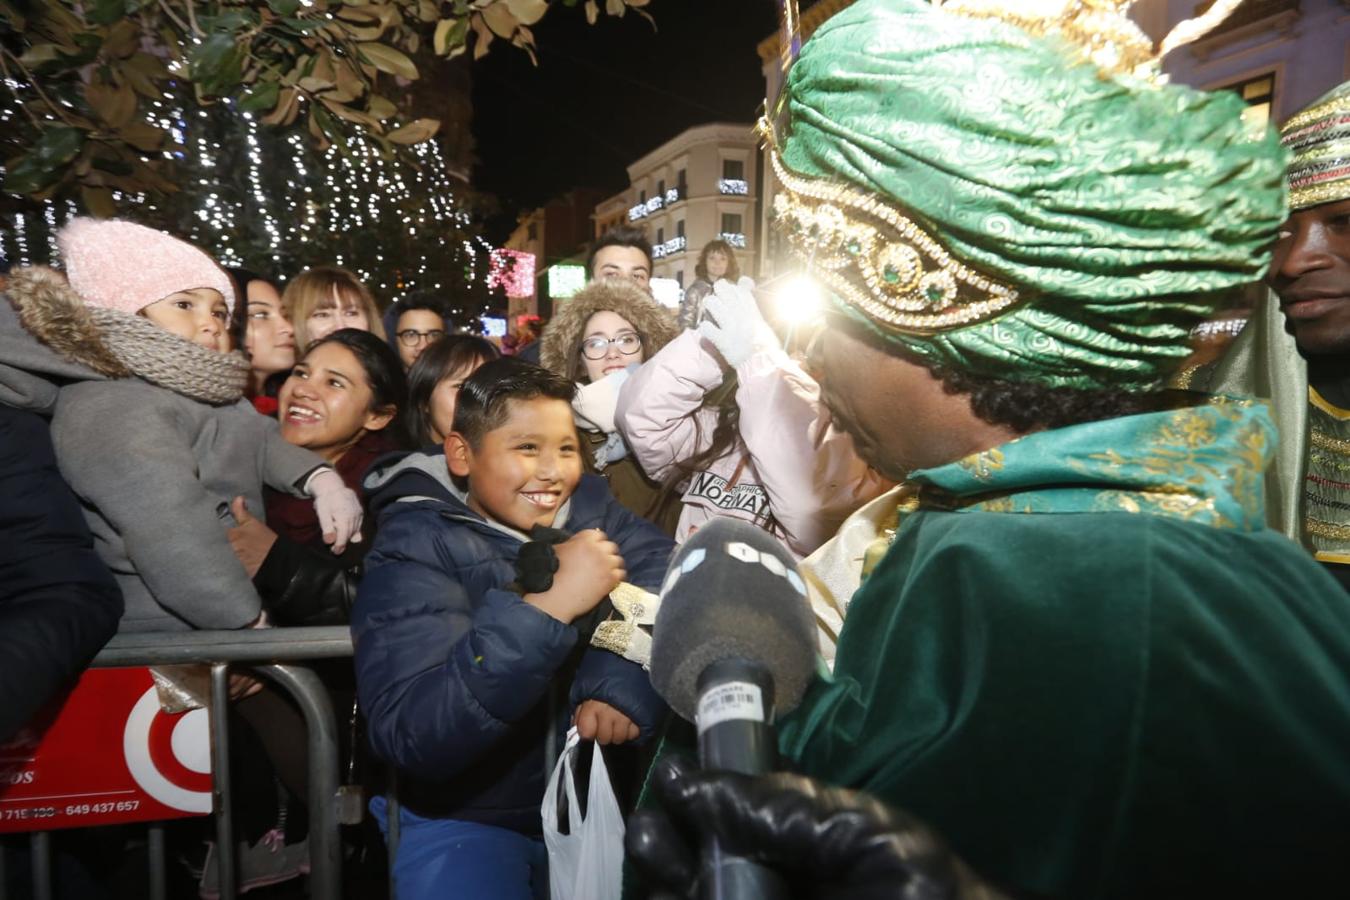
449	858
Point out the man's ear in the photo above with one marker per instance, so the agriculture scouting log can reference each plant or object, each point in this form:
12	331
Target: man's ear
458	454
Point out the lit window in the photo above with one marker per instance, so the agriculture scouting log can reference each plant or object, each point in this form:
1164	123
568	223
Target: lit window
1259	95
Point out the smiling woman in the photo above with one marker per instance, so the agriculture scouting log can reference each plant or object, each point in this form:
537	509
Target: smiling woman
344	400
325	299
605	331
333	398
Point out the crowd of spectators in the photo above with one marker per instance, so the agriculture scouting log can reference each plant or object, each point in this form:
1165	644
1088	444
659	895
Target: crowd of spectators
207	448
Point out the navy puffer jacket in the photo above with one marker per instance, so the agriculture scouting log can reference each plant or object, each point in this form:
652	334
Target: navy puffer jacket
464	684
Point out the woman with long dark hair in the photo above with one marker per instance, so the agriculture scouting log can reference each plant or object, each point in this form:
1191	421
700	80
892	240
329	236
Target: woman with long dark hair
434	382
344	400
260	328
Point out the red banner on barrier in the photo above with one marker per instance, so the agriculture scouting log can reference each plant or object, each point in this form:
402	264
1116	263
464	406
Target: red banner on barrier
106	753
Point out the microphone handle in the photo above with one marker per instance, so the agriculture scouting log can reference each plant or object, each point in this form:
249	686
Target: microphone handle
735	734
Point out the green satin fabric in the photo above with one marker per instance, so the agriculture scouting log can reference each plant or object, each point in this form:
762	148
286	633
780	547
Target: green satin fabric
1097	704
1201	464
1123	209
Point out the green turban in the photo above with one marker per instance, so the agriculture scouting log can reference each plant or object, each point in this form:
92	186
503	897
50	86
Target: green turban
1088	220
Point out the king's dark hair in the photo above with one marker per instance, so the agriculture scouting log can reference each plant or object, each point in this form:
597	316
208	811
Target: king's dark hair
1022	405
484	400
620	236
383	370
1026	407
438	362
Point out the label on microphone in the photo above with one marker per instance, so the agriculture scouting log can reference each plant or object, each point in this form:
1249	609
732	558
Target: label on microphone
740	700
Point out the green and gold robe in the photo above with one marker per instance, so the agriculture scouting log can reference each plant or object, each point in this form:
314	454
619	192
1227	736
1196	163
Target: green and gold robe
1088	663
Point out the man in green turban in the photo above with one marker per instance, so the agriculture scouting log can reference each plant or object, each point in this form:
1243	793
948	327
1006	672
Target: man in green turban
1083	658
1296	349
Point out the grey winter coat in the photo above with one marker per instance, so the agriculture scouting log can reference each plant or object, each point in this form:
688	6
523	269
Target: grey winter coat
154	469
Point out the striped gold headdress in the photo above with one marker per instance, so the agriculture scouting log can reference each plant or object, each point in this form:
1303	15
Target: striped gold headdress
1319	138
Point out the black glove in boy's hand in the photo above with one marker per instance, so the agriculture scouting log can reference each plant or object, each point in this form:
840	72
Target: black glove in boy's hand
830	842
537	562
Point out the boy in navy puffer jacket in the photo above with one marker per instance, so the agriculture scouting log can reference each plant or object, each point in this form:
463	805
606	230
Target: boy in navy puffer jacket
469	682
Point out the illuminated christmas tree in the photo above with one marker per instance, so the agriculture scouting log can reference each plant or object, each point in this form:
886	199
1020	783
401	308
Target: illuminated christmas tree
268	200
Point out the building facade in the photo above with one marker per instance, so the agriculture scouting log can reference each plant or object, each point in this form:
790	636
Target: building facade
557	233
1279	55
701	185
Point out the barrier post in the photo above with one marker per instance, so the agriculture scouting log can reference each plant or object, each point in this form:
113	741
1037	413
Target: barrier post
42	865
325	851
220	779
270	652
159	888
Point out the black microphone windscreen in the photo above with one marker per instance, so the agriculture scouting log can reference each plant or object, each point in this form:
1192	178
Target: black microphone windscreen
732	592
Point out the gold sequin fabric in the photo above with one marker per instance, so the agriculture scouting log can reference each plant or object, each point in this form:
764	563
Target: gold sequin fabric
1326	485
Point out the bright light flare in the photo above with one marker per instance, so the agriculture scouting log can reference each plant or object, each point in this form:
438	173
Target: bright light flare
798	302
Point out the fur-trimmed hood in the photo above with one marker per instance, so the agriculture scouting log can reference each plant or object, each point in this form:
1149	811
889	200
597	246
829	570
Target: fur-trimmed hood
113	344
561	341
31	373
53	313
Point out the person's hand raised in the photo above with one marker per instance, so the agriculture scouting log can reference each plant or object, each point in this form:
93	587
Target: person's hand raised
589	567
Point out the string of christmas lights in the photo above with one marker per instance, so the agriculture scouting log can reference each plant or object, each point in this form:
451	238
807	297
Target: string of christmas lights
263	199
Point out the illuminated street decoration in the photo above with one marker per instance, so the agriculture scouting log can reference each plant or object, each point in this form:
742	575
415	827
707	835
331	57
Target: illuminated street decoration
513	272
565	280
674	245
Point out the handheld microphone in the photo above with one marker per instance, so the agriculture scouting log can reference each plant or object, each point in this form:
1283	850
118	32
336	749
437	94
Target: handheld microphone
733	646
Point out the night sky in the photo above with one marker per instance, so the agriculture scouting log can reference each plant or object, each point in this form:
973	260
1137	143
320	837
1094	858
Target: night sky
604	95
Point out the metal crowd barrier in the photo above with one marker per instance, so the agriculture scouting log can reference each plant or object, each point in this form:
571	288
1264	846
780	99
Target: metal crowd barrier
268	652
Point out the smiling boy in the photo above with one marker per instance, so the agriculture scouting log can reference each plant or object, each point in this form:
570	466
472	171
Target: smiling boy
467	680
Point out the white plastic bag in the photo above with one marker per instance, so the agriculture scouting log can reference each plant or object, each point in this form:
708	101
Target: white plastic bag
587	862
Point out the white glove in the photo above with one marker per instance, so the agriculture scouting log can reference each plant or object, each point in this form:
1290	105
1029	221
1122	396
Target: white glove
739	330
337	508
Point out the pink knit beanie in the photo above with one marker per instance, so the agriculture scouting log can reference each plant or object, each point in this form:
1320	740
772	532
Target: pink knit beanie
125	267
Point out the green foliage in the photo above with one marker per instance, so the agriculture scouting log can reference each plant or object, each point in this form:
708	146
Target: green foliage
87	72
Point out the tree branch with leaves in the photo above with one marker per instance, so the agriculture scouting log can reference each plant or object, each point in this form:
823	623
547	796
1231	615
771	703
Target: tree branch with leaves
83	76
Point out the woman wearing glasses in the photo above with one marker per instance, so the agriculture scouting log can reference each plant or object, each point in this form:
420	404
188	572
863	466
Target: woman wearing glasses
597	338
414	324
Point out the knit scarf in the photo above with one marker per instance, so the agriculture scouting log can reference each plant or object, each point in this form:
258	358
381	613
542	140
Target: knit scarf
169	361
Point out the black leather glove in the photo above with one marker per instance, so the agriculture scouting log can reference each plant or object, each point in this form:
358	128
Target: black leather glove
829	842
537	562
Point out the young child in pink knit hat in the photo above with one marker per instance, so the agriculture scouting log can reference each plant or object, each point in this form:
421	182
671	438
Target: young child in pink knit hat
154	434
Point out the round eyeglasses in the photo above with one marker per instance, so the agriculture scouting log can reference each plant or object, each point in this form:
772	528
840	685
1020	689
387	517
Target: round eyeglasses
628	343
411	337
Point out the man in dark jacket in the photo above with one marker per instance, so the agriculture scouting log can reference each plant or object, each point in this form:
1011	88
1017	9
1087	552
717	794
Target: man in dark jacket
58	603
467	679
